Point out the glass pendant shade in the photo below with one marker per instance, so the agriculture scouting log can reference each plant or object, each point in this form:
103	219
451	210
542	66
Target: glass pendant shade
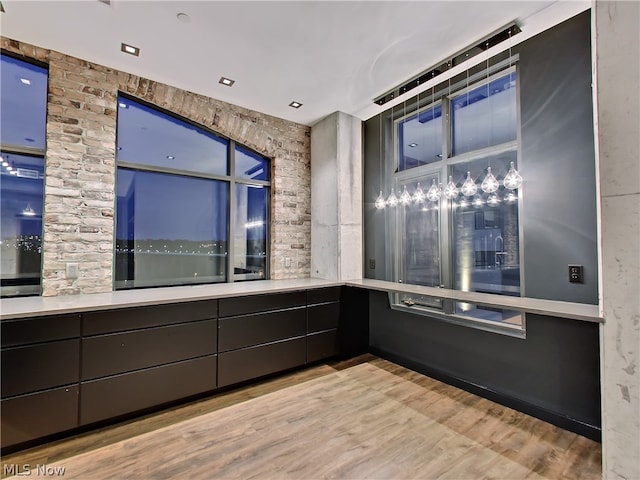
493	200
451	190
478	201
510	197
489	184
418	195
380	201
392	200
433	194
469	187
405	197
513	179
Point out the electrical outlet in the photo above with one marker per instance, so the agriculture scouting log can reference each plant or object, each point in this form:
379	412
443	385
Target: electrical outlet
287	262
576	274
72	270
372	264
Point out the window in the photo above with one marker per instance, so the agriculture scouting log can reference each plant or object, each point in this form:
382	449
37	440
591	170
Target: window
181	190
465	242
23	104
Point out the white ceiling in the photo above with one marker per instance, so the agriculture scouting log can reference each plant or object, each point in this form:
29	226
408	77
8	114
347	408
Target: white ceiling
328	55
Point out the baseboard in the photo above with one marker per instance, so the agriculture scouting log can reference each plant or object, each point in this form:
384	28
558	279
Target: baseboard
589	431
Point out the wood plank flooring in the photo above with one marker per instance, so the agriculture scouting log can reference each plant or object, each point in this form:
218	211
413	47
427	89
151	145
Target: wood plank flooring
362	419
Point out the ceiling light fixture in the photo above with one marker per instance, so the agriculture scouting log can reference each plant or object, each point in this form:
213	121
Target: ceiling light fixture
183	17
414	144
29	212
25	81
295	104
131	50
226	81
170	157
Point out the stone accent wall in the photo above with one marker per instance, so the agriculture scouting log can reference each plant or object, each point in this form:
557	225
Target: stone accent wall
80	167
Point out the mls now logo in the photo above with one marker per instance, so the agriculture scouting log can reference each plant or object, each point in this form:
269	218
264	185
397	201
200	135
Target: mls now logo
26	470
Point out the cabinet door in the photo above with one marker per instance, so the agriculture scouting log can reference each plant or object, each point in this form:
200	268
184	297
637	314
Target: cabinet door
323	317
39	414
130	392
123	352
261	303
253	362
39	329
249	330
322	345
37	367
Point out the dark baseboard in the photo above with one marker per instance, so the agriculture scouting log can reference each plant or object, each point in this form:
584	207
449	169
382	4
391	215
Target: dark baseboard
589	431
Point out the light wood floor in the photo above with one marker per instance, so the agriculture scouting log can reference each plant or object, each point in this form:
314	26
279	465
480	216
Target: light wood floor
362	419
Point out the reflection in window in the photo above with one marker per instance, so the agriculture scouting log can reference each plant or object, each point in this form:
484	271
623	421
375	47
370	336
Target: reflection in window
171	229
485	116
420	138
251	165
250	236
23	104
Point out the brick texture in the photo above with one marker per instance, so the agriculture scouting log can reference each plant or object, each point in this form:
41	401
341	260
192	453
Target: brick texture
80	167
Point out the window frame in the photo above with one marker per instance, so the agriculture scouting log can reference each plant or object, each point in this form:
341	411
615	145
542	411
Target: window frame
441	169
7	291
231	180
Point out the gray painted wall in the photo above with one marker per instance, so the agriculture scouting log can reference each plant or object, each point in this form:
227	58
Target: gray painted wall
556	368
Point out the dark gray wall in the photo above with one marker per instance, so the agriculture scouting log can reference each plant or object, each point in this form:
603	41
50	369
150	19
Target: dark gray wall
554	372
558	213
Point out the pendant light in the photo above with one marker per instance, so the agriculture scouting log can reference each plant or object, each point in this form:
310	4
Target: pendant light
513	179
29	212
392	200
493	200
418	195
489	184
380	202
405	198
510	197
469	187
434	192
451	190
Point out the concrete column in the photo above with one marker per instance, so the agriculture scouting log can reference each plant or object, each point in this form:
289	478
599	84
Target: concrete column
616	49
336	198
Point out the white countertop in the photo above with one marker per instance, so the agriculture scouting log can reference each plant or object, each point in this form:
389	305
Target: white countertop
553	308
41	306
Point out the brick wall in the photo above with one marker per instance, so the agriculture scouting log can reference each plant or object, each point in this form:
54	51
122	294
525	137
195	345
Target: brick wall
80	167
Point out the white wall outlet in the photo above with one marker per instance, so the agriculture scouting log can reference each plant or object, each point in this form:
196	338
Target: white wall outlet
287	262
72	270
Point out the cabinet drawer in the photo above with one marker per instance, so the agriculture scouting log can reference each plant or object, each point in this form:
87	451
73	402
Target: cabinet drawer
323	317
254	362
121	394
261	303
39	414
38	367
123	352
322	345
323	295
39	329
249	330
109	321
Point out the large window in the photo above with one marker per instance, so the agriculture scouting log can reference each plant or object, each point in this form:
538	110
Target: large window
461	238
192	207
23	104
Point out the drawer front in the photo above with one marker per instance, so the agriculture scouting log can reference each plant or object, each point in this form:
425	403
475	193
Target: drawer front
254	362
322	345
39	329
123	352
323	317
39	414
249	330
109	321
38	367
114	396
323	295
261	303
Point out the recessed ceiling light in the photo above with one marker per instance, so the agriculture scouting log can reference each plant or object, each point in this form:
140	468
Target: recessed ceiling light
295	104
413	144
226	81
25	81
131	50
183	17
170	157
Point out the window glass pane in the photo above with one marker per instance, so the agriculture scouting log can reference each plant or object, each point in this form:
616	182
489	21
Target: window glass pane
21	194
149	137
170	229
485	116
486	247
420	138
23	103
250	236
251	165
